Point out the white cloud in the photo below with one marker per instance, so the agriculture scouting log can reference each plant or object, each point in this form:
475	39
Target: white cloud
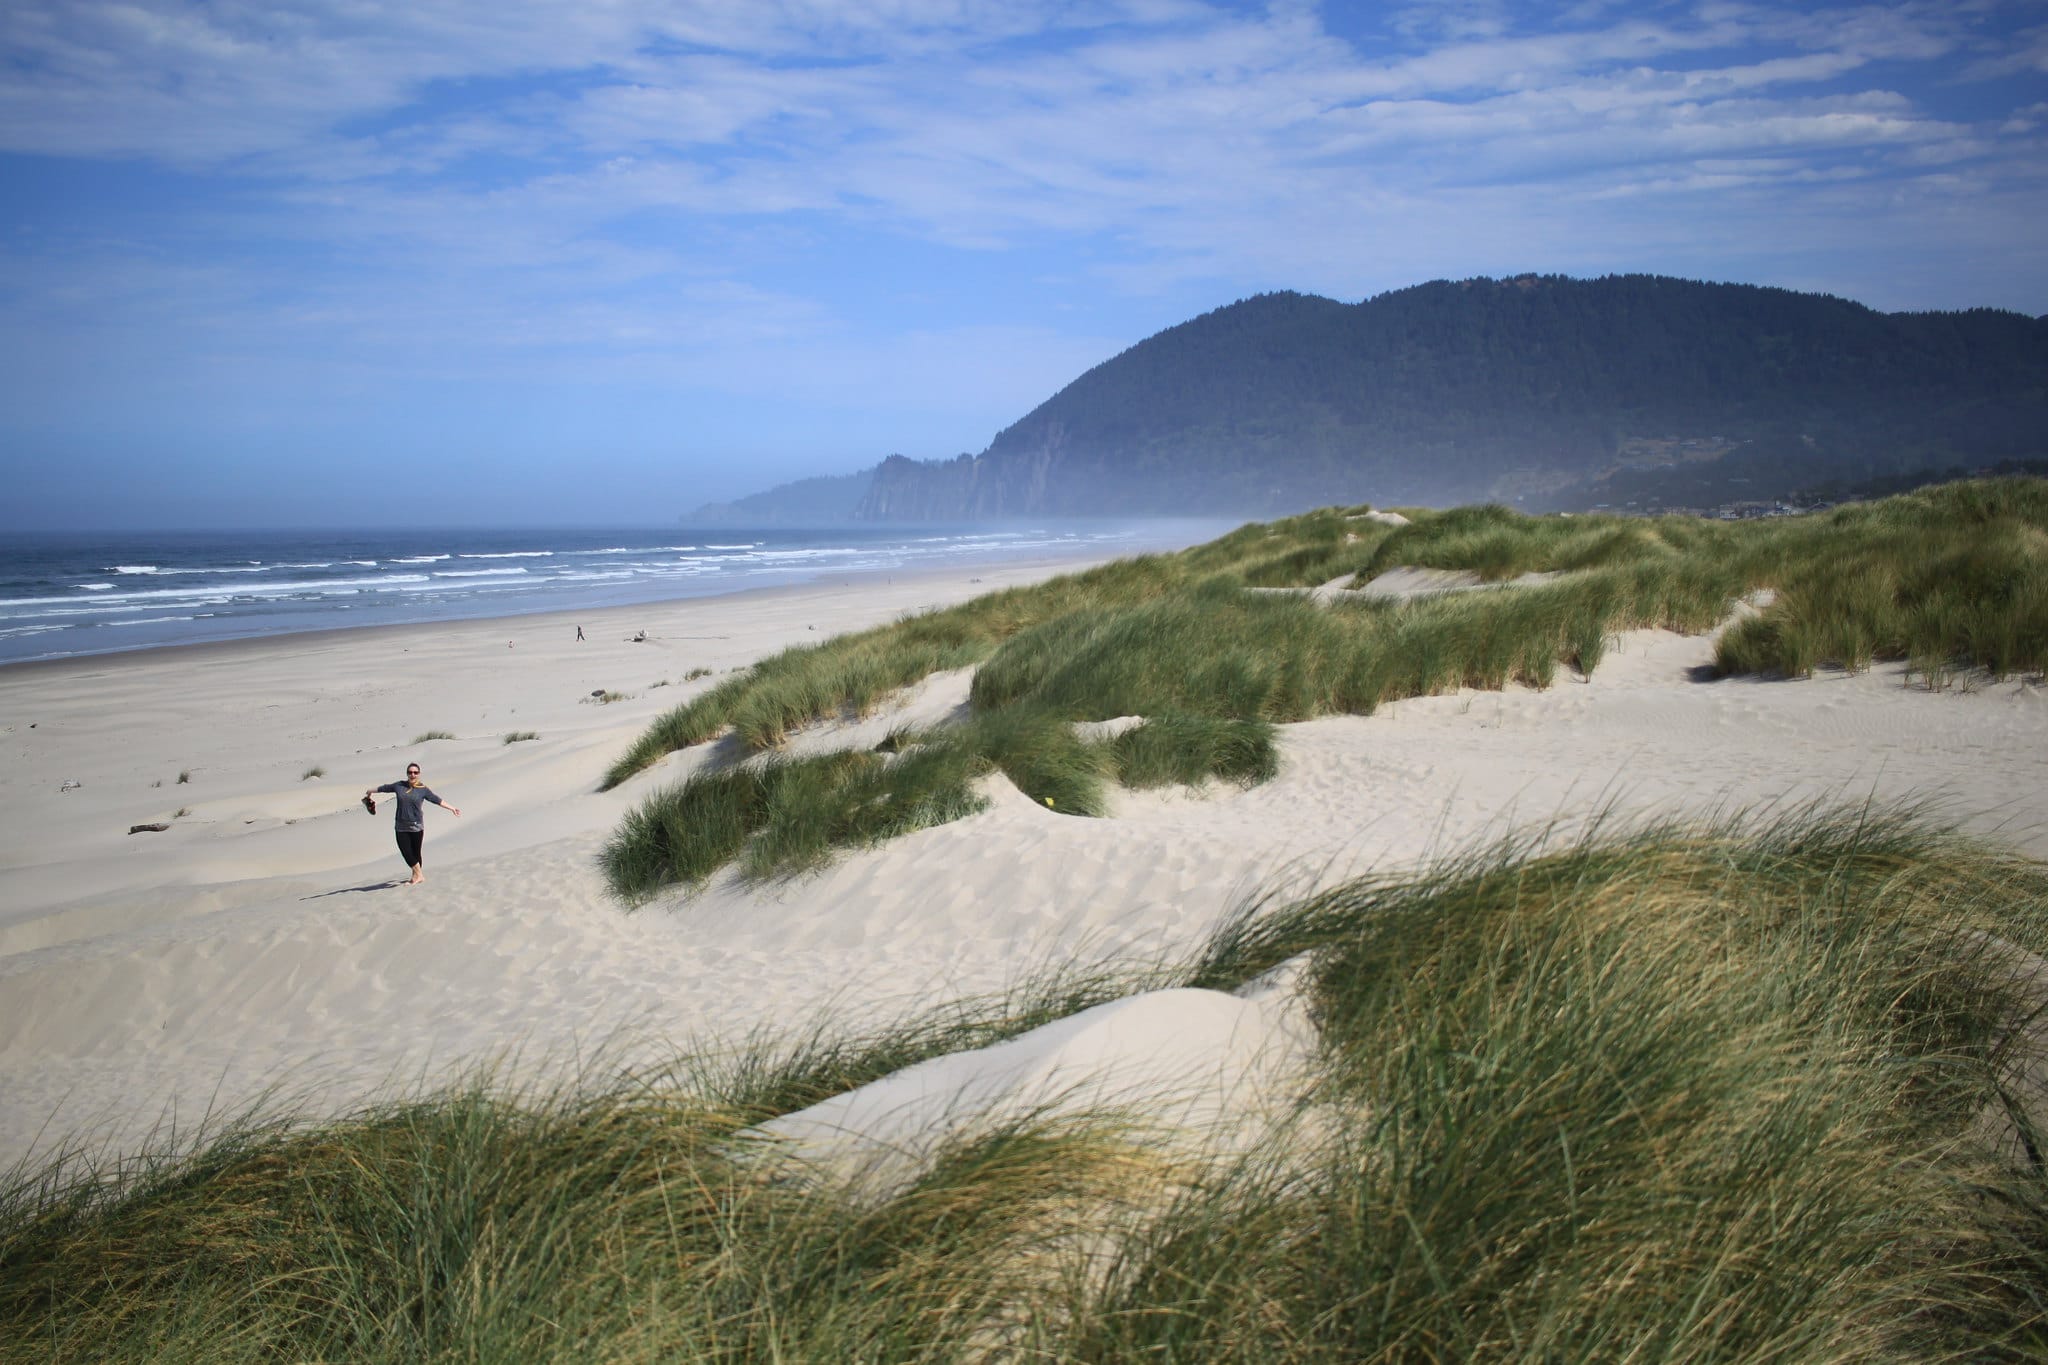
633	175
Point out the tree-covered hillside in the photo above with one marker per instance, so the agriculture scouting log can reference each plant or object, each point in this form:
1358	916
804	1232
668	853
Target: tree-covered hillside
819	501
1529	389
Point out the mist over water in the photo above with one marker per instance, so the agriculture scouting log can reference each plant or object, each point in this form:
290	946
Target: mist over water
65	594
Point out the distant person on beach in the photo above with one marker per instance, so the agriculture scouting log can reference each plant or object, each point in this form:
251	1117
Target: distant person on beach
411	825
579	635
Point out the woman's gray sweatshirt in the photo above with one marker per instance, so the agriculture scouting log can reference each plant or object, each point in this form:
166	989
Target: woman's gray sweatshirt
409	798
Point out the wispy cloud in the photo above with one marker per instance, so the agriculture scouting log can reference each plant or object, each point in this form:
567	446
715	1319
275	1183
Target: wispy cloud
685	188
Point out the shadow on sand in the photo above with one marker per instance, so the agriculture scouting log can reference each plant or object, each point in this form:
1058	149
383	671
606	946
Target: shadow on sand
350	890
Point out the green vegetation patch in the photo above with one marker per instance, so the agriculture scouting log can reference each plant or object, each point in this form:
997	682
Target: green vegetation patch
1173	748
785	815
1951	579
851	673
779	817
1685	1094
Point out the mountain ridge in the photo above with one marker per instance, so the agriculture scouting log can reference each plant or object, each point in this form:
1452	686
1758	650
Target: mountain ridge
1541	390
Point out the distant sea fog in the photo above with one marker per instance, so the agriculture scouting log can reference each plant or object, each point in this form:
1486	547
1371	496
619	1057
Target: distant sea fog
64	594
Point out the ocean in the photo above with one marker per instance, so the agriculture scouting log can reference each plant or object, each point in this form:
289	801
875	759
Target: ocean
64	594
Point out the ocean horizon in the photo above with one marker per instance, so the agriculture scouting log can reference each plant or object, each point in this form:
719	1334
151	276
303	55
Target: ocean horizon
66	594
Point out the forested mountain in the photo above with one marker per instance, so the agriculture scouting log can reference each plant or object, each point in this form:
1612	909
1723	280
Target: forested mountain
1540	389
807	502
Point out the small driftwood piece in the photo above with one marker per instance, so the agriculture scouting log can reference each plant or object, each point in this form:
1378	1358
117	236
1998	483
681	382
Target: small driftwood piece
154	829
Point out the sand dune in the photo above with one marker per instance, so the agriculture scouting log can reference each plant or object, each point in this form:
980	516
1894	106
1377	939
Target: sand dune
1205	1069
260	944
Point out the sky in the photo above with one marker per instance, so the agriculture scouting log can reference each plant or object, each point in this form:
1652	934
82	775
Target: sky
464	262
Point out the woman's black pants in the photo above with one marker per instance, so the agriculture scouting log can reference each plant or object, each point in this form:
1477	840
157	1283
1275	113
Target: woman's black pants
409	841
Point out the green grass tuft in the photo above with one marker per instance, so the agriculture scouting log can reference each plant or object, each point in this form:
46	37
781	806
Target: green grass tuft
1040	754
425	736
519	736
1175	748
784	816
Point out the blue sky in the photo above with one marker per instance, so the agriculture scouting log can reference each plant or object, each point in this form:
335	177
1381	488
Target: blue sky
320	262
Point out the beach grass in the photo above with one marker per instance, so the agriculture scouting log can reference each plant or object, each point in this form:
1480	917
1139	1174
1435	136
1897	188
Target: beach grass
1965	591
1175	748
1749	1090
520	736
1951	579
428	736
315	771
1677	1095
850	672
781	816
784	815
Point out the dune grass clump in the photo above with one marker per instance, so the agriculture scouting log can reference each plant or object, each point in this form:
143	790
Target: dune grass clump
815	807
618	1225
1313	549
1759	1090
1498	543
686	832
315	771
779	817
784	816
1176	749
520	736
1217	652
830	683
427	736
1038	751
1688	1094
1949	579
1212	650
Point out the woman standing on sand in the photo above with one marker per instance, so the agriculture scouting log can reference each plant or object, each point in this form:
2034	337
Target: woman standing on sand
410	824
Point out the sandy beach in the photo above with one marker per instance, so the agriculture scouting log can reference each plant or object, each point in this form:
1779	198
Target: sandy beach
262	944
